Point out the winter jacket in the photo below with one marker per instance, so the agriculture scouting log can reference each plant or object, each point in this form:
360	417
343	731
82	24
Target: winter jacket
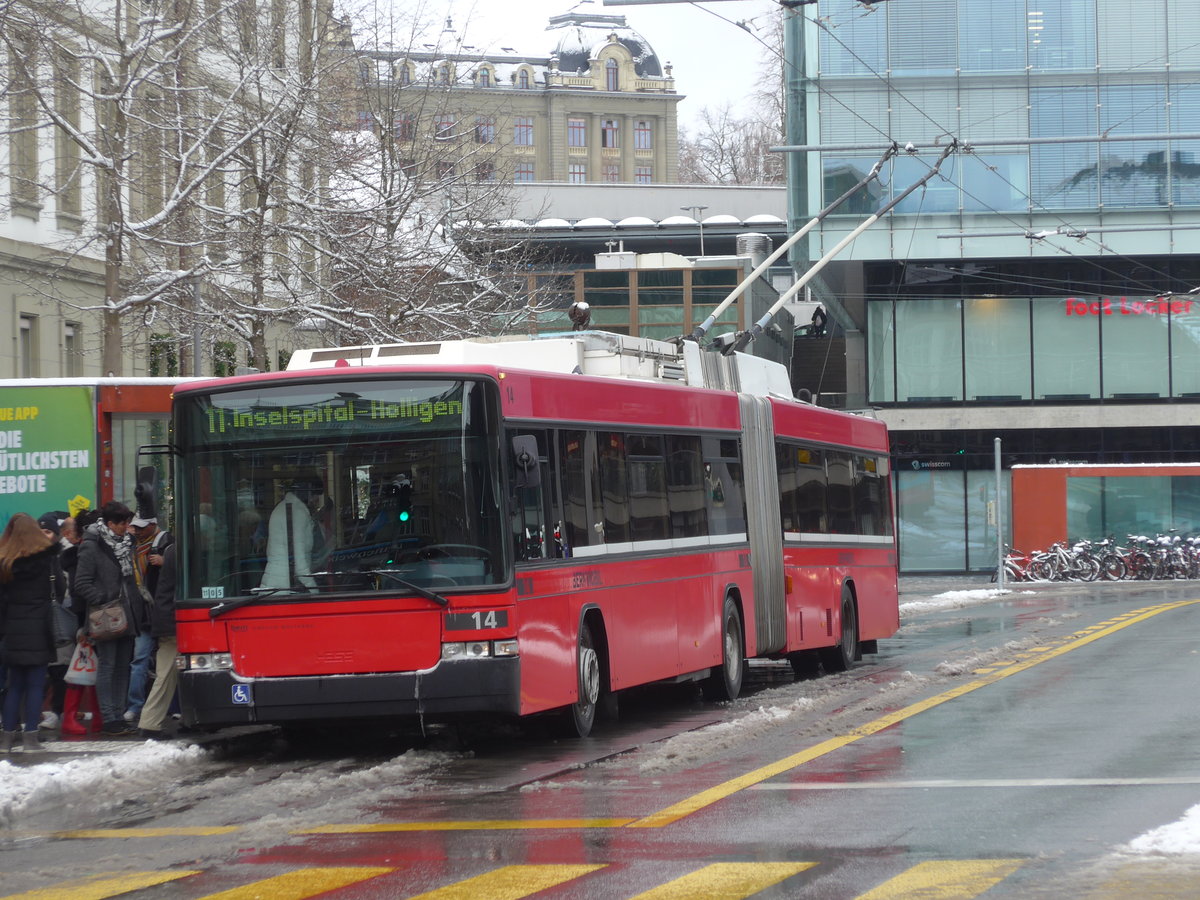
98	580
163	614
25	610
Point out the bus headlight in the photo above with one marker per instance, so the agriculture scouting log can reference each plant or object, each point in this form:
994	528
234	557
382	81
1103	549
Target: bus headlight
466	650
204	662
478	649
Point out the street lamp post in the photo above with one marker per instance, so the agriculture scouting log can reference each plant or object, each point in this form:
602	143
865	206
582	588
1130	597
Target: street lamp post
695	211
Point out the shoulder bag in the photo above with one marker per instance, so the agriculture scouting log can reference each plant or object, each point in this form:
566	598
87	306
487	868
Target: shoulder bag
108	622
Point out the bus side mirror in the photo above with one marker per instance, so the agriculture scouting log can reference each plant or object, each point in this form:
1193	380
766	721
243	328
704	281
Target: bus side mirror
525	461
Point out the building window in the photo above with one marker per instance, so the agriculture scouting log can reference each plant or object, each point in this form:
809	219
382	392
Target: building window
443	127
405	75
445	170
523	172
485	171
643	135
26	342
523	131
610	133
366	121
611	82
523	79
71	349
576	133
643	174
485	129
405	128
408	167
443	74
484	78
577	173
612	172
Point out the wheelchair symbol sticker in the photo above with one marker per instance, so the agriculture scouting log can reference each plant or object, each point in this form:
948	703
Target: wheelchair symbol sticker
241	694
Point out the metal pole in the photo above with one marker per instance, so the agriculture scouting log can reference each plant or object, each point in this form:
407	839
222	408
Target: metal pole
999	523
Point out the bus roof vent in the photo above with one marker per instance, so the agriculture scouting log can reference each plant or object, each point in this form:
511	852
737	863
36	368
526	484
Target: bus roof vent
671	371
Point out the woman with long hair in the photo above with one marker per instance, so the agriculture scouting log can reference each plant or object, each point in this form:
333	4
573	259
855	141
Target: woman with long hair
28	578
104	573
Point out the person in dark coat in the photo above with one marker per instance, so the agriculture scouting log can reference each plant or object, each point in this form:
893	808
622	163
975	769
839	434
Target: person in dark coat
28	559
53	525
154	712
104	573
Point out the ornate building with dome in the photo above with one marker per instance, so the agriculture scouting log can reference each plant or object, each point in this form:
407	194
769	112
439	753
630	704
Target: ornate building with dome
598	107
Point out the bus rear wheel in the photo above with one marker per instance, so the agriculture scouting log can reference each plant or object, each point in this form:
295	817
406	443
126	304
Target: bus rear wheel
725	683
582	713
841	657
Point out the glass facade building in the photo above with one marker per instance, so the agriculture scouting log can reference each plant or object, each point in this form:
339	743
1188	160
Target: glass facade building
1037	290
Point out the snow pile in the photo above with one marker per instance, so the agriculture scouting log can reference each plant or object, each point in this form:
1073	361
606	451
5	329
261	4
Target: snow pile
695	746
967	665
1177	838
954	600
27	787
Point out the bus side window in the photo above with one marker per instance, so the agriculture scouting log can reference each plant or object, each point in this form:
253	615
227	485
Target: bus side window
532	535
840	496
724	498
579	474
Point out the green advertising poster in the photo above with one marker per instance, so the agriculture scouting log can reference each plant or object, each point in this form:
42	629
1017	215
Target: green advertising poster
47	449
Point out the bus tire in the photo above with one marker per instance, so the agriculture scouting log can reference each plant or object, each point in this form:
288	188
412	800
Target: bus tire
581	714
725	682
841	657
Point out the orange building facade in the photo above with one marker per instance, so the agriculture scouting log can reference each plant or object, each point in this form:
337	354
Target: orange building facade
1072	502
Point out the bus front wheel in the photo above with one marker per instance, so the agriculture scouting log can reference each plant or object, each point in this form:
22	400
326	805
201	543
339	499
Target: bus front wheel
725	683
582	713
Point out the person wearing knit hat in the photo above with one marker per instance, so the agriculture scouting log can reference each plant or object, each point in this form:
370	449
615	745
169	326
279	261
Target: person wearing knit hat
50	522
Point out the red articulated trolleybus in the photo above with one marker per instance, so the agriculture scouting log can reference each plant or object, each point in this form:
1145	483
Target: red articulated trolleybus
516	527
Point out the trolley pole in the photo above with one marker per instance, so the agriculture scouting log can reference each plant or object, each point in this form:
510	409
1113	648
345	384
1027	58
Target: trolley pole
999	522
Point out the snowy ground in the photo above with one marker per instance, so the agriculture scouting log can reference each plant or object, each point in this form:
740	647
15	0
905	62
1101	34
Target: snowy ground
27	788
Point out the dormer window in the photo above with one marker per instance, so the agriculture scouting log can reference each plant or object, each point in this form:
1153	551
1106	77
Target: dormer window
443	74
611	82
404	75
484	78
523	79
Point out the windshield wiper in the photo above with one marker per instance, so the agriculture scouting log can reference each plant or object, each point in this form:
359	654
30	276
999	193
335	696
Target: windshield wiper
256	594
415	588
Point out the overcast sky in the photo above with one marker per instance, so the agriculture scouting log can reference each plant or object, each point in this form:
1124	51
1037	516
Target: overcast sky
714	60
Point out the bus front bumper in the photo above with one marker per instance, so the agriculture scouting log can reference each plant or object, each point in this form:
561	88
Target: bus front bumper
483	686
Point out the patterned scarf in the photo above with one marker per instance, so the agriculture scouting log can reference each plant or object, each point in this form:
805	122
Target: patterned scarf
119	546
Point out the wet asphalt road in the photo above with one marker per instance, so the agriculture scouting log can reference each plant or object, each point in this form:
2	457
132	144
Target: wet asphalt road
1009	749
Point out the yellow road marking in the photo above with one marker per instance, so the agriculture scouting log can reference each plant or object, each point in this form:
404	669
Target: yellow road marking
727	881
481	825
712	795
945	880
300	884
197	831
98	887
509	883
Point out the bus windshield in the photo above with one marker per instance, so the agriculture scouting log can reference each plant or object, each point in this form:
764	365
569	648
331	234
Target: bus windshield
350	487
